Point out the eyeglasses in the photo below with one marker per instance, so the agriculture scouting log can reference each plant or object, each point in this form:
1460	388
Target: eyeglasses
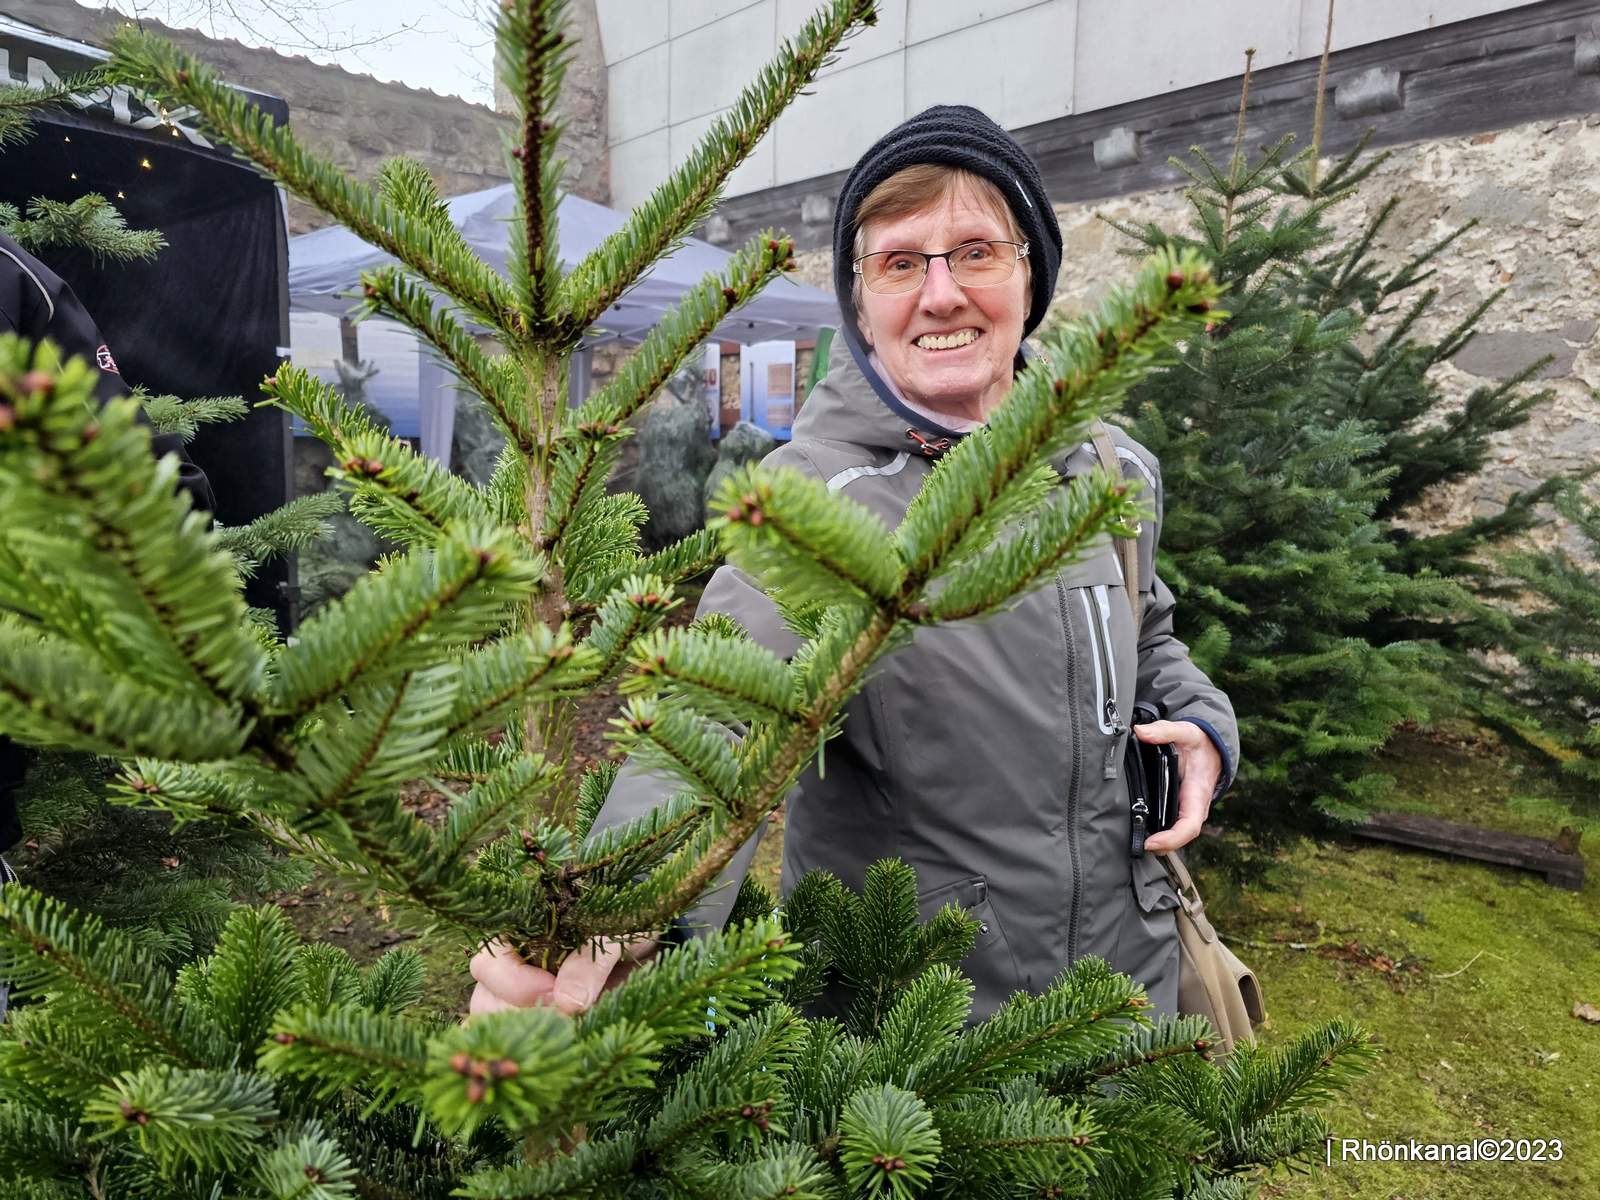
972	264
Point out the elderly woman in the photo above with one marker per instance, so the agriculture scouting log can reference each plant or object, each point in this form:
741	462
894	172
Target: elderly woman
986	753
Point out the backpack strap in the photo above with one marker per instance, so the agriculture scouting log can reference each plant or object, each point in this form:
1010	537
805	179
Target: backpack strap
1127	548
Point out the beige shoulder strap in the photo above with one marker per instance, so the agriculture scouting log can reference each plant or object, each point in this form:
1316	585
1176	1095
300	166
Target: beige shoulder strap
1127	548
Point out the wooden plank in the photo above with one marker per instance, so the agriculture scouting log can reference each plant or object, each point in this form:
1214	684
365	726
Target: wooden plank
1560	868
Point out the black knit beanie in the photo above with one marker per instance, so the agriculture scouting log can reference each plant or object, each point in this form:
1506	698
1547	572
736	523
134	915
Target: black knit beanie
957	136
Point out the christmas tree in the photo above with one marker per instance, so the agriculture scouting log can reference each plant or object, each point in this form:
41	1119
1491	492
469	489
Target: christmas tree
276	1069
1293	436
1550	700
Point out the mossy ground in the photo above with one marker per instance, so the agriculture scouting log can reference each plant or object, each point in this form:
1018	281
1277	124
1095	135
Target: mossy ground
1466	974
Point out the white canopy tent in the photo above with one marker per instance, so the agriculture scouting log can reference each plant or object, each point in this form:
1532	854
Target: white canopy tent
325	269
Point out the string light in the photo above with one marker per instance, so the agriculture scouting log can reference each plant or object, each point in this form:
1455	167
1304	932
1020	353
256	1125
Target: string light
74	175
145	163
121	196
67	138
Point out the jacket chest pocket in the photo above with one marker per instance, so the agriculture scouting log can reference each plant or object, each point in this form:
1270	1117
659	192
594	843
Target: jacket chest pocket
1100	626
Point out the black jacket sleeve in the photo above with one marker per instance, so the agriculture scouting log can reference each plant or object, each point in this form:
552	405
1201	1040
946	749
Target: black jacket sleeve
36	303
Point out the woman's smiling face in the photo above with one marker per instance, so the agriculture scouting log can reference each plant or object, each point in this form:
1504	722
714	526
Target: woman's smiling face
964	380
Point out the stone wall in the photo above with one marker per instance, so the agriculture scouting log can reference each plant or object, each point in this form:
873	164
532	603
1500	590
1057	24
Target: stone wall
1530	190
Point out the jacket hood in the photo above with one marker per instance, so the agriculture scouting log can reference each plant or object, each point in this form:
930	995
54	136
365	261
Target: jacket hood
854	404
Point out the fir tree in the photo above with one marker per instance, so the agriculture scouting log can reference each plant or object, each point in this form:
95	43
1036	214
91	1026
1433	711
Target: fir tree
272	1069
1293	436
1550	701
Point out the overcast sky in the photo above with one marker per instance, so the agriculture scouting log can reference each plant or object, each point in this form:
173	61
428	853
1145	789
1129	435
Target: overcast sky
439	44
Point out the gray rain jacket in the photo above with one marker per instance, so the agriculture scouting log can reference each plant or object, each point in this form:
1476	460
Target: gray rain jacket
986	753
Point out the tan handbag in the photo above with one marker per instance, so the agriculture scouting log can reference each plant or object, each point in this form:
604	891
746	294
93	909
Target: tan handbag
1212	982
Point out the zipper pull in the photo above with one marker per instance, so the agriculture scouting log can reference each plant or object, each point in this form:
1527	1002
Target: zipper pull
1140	829
1114	718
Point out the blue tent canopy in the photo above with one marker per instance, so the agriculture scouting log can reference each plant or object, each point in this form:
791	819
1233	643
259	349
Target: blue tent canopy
324	264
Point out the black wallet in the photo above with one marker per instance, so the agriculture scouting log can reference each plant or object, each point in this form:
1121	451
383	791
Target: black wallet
1152	775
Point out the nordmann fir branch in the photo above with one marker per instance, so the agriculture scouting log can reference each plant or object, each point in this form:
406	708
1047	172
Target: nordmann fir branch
390	292
689	193
531	54
192	637
146	62
383	475
588	431
1087	364
1091	362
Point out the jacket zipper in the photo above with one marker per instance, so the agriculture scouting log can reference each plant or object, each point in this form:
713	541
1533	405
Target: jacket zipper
1075	782
1097	611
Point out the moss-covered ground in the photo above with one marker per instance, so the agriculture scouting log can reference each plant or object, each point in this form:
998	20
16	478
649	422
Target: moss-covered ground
1466	973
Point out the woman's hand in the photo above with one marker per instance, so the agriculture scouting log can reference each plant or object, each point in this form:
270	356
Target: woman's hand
505	980
1199	769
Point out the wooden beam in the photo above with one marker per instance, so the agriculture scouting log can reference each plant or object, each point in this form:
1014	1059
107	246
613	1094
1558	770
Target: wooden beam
1561	868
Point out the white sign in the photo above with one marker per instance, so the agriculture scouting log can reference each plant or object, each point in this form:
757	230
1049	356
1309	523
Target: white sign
767	386
711	385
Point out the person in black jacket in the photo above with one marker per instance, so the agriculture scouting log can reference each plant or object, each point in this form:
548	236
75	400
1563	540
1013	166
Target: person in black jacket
36	303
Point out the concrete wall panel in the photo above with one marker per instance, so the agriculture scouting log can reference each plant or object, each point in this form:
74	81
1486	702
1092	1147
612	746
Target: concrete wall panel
1017	68
1358	22
635	88
637	167
712	64
627	27
1175	45
849	111
934	18
685	16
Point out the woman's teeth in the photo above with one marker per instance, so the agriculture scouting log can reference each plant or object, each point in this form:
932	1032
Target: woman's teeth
947	341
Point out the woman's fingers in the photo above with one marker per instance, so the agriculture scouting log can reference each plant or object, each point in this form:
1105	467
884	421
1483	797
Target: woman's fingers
1182	734
505	980
1194	805
582	976
1199	769
485	1001
501	971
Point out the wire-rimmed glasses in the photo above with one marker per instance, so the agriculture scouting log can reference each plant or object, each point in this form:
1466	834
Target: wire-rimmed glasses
972	264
